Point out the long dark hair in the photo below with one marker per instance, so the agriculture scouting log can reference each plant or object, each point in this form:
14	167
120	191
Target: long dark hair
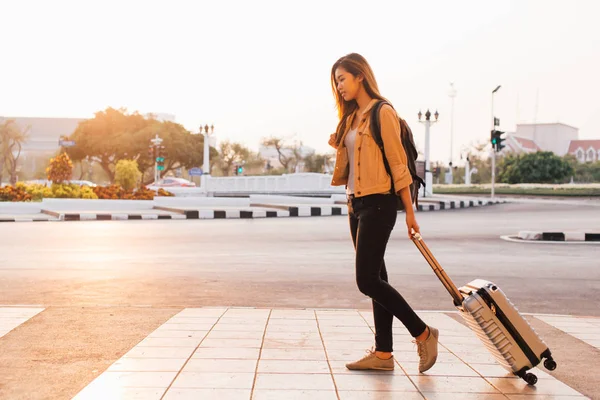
357	65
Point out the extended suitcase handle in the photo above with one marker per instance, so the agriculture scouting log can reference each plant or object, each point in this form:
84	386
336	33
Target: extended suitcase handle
439	271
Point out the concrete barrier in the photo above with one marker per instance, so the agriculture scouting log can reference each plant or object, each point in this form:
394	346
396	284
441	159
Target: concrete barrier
201	201
11	208
96	205
275	199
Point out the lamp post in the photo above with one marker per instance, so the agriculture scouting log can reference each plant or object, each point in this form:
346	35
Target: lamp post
493	151
206	164
428	175
452	95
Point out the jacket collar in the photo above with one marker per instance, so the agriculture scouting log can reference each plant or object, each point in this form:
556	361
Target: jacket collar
353	115
370	105
367	109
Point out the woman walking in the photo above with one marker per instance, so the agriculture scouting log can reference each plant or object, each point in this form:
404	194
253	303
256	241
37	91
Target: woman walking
372	206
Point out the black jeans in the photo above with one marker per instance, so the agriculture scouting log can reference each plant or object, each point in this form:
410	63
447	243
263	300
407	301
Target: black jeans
372	219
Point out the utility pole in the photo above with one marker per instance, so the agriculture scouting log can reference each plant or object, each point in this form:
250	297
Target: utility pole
156	142
452	94
493	149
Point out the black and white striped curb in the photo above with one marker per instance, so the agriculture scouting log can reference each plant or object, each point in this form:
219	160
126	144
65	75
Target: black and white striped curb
108	216
558	236
262	211
307	211
452	204
24	219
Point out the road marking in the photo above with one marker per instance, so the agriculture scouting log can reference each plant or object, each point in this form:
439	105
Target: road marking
11	317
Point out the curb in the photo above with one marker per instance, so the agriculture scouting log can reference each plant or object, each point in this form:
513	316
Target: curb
114	217
450	205
558	236
306	211
516	239
277	210
24	220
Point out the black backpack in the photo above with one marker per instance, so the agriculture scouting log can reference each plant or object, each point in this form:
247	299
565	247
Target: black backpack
408	143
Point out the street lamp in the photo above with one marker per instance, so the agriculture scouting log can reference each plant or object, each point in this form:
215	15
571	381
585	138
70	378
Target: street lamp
206	166
493	152
428	175
452	95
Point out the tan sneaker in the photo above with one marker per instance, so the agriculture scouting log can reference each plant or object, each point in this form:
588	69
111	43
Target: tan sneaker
428	350
371	361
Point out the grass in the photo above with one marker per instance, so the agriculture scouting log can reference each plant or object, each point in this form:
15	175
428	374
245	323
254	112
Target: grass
526	190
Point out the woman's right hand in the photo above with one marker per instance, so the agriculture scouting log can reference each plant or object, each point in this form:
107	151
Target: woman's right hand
332	140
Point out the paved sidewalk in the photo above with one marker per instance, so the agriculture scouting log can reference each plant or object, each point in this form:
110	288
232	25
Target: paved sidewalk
258	354
11	317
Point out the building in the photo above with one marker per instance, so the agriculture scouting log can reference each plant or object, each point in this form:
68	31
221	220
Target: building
585	150
43	135
271	155
516	144
559	138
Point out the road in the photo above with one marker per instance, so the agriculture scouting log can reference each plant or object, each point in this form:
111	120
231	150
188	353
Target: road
295	261
105	285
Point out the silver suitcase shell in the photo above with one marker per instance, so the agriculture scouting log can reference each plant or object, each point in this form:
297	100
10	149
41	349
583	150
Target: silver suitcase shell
495	321
501	328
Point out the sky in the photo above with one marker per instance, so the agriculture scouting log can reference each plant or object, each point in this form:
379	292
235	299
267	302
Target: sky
262	68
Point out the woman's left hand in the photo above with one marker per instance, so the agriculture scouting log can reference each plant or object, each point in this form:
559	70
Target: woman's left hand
411	224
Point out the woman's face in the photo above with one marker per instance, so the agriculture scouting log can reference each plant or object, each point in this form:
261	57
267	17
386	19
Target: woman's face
347	84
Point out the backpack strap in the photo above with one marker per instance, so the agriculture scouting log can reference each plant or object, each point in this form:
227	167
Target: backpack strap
405	133
376	132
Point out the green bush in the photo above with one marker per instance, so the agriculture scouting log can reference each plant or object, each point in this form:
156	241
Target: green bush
127	174
585	172
87	192
37	191
64	191
539	167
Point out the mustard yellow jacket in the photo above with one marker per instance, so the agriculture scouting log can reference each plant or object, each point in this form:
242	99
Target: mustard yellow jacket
370	176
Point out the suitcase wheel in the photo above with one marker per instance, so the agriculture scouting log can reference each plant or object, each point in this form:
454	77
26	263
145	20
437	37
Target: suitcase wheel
530	378
550	364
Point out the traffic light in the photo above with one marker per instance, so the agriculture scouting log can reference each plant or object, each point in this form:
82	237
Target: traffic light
240	170
160	158
497	139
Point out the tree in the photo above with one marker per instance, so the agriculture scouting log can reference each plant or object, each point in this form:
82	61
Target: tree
114	135
60	169
315	162
231	154
127	174
509	171
538	167
583	172
478	158
288	155
12	139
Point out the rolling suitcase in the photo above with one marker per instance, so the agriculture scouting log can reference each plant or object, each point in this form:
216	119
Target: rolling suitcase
496	321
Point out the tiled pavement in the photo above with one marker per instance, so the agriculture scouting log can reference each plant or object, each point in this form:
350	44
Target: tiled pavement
11	317
262	354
